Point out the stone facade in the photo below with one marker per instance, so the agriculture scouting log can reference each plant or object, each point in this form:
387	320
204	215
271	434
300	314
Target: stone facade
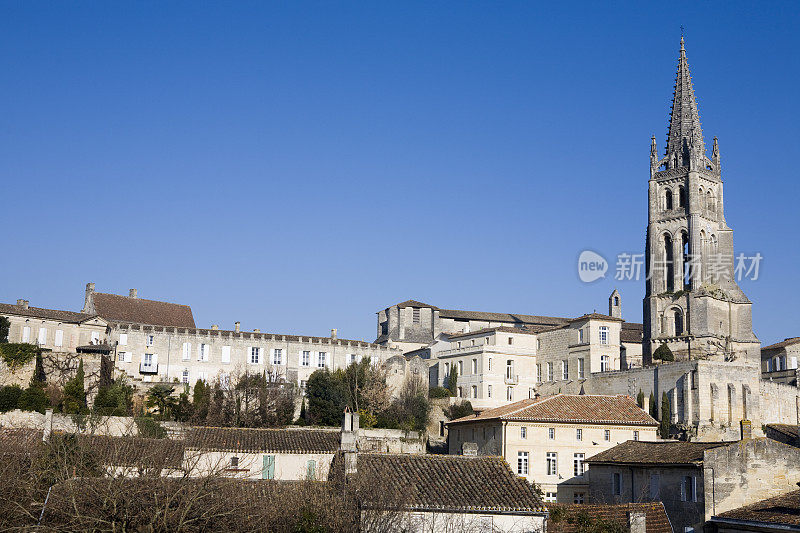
779	361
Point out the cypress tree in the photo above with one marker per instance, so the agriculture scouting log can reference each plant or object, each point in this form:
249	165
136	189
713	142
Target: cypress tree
452	380
640	399
664	426
653	408
75	392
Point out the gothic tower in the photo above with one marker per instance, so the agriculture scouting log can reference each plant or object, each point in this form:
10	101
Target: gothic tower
692	302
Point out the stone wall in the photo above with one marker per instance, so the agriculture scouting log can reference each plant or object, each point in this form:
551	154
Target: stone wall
780	403
116	426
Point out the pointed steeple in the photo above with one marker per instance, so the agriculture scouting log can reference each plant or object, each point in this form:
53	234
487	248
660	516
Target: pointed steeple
685	133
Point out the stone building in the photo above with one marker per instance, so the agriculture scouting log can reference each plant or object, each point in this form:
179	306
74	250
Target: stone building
778	514
155	341
694	480
548	440
779	361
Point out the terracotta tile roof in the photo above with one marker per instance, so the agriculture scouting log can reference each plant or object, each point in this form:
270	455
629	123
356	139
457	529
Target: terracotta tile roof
503	317
19	440
596	316
787	429
50	314
784	510
564	517
783	344
631	332
136	451
447	482
263	440
118	308
641	452
573	408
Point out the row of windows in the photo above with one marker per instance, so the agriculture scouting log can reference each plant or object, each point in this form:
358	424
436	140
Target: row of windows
778	363
565	371
489	392
204	353
688	486
578	464
58	337
551	434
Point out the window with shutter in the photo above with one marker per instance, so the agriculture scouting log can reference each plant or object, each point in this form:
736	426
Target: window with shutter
26	334
59	341
268	469
226	354
123	339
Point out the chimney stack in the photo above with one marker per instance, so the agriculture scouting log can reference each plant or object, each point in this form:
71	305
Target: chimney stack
48	425
133	293
333	334
88	300
237	327
23	303
214	327
349	441
637	522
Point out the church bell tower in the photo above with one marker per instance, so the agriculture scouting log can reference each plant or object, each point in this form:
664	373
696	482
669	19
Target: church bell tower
692	303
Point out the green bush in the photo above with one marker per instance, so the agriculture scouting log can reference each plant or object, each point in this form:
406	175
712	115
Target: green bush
114	400
33	398
439	392
9	397
663	353
17	354
75	393
5	326
459	410
149	428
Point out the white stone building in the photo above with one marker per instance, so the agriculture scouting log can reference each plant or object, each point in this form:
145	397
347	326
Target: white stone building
547	440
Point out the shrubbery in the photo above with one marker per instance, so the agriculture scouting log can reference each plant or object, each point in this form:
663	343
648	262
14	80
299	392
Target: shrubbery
439	392
9	397
663	353
18	354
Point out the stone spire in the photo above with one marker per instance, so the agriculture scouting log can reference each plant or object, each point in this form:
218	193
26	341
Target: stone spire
685	134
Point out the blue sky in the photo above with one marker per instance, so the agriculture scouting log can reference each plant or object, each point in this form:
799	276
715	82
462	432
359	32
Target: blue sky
298	166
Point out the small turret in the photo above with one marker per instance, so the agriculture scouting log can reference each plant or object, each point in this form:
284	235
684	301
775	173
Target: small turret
615	304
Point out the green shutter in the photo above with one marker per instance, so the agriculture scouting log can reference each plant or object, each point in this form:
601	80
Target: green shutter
268	471
311	469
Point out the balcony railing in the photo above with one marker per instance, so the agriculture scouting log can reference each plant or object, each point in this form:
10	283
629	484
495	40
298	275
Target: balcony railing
145	368
512	380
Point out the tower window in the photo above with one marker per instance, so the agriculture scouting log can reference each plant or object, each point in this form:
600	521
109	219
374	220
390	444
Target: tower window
415	315
668	200
678	322
681	197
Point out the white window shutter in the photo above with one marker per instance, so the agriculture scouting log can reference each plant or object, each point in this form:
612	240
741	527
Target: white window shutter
694	488
683	490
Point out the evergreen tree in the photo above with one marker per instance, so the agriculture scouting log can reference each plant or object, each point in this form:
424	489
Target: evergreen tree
640	399
452	380
327	395
653	408
303	414
663	353
106	372
201	398
665	424
75	393
5	326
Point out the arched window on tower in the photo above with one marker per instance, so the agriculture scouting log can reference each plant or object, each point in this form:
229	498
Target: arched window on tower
678	319
668	200
669	267
682	197
709	201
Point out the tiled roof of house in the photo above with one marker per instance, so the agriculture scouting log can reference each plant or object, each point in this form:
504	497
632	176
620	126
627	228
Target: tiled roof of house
136	451
446	482
789	430
527	330
564	518
596	316
126	309
503	317
573	408
19	440
263	440
667	453
783	510
783	344
49	314
631	332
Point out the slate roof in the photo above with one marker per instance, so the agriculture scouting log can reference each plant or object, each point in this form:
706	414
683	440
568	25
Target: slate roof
136	451
656	520
783	510
503	317
663	453
263	440
783	344
596	316
787	429
49	314
118	308
447	483
572	408
19	440
529	330
631	332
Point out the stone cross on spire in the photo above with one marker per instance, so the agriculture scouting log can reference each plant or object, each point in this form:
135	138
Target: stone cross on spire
684	124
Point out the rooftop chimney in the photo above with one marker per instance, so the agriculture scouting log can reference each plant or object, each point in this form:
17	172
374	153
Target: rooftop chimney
88	301
23	303
133	293
237	327
214	327
349	441
333	334
637	522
